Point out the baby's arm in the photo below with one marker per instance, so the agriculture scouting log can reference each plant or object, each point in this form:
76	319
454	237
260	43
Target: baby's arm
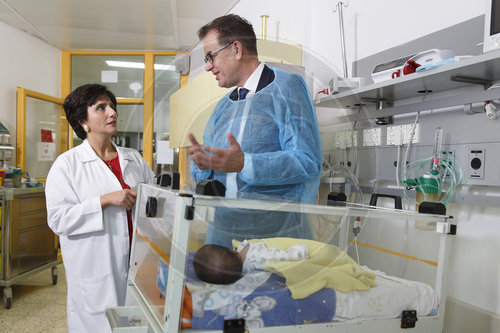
263	255
298	252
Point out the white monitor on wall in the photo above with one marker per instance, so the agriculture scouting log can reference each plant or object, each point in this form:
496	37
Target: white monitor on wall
492	26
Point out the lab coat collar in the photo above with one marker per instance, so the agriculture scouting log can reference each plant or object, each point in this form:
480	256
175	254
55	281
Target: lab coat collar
88	154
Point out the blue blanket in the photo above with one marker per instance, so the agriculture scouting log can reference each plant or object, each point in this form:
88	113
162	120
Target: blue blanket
261	298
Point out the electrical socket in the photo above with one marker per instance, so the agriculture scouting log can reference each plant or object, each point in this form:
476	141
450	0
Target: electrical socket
346	139
450	156
407	134
339	137
395	135
351	138
400	134
371	137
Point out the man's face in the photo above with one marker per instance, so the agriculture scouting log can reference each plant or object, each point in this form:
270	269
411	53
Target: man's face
224	63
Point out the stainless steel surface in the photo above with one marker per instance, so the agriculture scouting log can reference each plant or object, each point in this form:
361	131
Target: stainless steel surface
340	4
27	243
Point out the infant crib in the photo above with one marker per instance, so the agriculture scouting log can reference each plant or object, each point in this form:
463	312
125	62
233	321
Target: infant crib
170	298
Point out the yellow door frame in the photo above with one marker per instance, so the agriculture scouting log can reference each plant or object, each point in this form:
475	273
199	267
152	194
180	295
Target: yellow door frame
147	101
22	95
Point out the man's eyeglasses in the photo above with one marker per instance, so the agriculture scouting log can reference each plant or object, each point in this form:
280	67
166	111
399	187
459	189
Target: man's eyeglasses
210	56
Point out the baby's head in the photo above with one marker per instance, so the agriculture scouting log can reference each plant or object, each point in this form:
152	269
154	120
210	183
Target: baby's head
217	264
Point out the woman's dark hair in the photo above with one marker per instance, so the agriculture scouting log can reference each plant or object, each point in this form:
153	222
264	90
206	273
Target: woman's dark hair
230	28
217	264
76	104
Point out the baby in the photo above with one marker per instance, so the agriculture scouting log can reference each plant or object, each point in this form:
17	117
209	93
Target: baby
220	265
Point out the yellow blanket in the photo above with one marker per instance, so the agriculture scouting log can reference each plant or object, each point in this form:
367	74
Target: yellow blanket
327	267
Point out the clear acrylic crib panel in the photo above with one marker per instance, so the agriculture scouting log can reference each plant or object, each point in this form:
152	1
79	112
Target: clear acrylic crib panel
152	247
400	243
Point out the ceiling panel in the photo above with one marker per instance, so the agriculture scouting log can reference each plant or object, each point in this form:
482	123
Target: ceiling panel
113	24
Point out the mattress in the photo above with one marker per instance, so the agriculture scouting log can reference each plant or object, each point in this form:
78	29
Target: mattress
388	299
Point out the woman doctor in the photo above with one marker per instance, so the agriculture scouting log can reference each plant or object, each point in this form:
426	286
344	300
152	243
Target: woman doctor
90	193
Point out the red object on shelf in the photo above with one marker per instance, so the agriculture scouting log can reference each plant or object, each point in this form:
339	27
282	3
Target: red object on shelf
410	67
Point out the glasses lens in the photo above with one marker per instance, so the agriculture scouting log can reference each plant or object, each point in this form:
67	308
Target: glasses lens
209	58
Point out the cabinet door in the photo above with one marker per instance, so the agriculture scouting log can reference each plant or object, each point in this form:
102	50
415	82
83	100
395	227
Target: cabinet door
31	257
30	204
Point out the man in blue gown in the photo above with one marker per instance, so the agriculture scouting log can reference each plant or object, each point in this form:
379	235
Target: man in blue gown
262	137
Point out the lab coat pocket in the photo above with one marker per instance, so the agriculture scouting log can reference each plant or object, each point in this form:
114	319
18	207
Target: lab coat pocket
98	293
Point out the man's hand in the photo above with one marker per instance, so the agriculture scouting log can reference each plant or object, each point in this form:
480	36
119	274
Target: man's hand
218	159
196	153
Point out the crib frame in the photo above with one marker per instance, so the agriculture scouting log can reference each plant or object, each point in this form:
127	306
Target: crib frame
144	320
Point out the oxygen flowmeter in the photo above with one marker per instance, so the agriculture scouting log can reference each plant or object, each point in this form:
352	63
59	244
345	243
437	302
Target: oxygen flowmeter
434	178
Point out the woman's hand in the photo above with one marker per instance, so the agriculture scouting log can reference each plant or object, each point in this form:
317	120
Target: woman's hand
123	198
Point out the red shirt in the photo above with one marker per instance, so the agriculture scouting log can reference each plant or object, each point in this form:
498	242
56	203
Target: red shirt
114	165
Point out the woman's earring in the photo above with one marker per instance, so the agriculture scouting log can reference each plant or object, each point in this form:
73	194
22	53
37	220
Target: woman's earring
85	128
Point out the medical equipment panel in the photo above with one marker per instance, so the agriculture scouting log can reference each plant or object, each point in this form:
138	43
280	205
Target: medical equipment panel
389	69
491	26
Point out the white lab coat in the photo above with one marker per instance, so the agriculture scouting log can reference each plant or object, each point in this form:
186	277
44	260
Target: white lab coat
94	242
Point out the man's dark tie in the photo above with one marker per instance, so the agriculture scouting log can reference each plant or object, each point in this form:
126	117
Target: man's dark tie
243	93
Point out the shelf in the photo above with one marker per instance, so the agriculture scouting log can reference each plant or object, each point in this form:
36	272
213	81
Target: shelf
436	82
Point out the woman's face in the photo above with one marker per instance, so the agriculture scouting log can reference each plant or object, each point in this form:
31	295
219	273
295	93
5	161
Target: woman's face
102	118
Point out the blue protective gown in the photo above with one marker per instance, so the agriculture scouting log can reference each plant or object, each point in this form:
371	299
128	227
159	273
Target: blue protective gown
278	133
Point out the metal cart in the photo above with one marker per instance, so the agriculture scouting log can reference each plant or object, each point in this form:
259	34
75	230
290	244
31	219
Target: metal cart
27	243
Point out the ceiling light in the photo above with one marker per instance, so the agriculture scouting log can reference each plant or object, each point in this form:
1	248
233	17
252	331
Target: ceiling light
135	86
131	64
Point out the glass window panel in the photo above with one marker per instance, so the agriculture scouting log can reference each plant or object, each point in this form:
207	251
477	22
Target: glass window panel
43	124
122	74
130	125
167	82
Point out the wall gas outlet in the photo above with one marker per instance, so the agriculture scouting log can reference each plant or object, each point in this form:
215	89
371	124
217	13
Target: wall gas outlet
476	163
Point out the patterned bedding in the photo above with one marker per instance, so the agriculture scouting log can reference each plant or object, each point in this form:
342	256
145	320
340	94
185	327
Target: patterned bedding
261	298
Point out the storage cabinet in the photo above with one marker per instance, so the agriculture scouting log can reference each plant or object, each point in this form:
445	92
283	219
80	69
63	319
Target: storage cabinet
28	244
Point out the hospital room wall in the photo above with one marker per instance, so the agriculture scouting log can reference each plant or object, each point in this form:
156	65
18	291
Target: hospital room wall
372	27
28	62
369	27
